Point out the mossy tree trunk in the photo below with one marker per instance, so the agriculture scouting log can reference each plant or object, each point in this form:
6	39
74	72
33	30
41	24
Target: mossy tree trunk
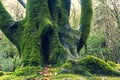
45	36
85	22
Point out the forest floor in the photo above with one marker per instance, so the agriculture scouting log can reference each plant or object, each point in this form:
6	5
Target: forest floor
59	77
53	73
50	74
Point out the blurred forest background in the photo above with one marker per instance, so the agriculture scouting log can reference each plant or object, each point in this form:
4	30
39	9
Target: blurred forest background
103	41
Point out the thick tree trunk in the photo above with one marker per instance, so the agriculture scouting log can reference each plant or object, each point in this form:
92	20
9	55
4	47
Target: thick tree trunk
44	36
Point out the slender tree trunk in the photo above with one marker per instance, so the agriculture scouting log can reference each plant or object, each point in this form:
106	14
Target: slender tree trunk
85	21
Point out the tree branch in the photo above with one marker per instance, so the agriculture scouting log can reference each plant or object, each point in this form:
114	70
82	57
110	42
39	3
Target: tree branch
7	24
22	3
5	19
85	22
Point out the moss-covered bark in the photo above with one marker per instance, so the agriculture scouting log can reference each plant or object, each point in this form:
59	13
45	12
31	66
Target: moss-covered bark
45	34
89	65
9	27
85	21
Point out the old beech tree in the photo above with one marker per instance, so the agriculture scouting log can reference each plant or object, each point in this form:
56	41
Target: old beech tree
44	36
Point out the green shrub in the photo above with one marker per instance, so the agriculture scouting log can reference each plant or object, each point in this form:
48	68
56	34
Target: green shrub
7	54
90	65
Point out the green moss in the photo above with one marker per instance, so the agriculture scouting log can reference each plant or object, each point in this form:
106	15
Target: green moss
59	77
98	66
6	21
13	77
90	64
85	21
5	18
1	73
58	53
69	77
37	10
76	68
29	33
28	70
112	64
86	9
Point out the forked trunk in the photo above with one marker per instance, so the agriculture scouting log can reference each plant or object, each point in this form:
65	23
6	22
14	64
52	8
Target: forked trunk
45	36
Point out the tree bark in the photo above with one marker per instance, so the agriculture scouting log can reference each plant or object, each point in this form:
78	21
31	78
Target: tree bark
45	36
85	22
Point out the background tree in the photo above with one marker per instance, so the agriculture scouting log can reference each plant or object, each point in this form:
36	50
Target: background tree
75	14
106	30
